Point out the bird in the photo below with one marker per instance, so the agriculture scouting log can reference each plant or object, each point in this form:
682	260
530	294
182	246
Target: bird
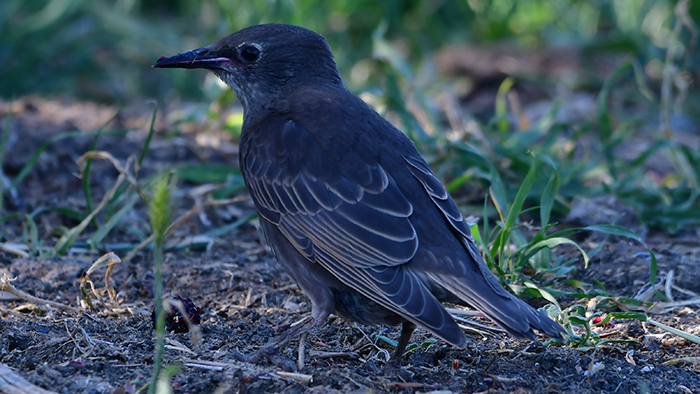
345	201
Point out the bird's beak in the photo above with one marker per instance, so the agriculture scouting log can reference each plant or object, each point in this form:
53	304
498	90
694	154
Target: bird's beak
198	58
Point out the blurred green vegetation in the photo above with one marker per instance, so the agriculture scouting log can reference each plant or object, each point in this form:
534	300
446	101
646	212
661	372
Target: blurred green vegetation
102	49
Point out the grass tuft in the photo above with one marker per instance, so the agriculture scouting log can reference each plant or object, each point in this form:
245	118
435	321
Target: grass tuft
160	215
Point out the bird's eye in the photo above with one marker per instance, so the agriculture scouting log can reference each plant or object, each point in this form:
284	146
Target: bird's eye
250	53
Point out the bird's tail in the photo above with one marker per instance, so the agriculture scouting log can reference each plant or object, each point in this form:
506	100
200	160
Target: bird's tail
483	292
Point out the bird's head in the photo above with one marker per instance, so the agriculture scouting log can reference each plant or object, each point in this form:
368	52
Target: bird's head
263	62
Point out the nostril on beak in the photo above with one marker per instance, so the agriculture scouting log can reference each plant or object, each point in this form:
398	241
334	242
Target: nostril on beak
203	52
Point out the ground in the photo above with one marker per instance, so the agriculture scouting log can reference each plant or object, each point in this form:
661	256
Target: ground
246	297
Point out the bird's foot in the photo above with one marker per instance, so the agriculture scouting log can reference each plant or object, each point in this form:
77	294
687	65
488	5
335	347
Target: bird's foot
394	371
270	351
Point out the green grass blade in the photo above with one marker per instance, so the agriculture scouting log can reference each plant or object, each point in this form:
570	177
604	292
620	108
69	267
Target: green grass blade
692	157
628	315
31	162
147	143
497	190
67	212
67	239
604	122
218	232
11	216
514	212
646	154
543	293
549	193
682	334
550	243
501	107
458	182
207	173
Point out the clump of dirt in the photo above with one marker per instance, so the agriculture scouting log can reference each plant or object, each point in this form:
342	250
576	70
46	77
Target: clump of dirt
246	298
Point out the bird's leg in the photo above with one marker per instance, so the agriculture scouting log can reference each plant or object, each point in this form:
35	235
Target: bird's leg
394	363
269	351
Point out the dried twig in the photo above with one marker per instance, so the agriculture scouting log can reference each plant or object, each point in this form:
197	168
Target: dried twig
299	377
5	285
75	338
302	350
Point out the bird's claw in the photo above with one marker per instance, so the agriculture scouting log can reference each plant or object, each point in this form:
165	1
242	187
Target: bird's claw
393	370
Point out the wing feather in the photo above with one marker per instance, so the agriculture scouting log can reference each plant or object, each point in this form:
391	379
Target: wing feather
347	214
439	195
402	292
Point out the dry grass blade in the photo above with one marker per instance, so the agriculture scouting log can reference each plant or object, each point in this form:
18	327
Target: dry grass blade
143	244
133	311
5	285
302	352
13	248
12	383
123	170
299	377
669	285
210	365
175	345
677	304
108	260
185	217
692	360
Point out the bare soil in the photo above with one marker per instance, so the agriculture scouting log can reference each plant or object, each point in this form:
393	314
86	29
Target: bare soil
247	298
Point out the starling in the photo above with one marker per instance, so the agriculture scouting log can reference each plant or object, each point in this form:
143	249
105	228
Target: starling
346	202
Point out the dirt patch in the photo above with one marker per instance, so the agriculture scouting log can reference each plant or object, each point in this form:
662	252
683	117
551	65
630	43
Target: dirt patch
246	298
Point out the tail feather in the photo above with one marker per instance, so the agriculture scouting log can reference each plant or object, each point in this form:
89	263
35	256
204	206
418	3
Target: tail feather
512	314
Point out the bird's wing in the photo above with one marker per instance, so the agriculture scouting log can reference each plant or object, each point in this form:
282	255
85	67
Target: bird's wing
345	213
343	205
470	279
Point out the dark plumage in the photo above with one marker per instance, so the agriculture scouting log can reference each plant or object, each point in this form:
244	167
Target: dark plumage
346	202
